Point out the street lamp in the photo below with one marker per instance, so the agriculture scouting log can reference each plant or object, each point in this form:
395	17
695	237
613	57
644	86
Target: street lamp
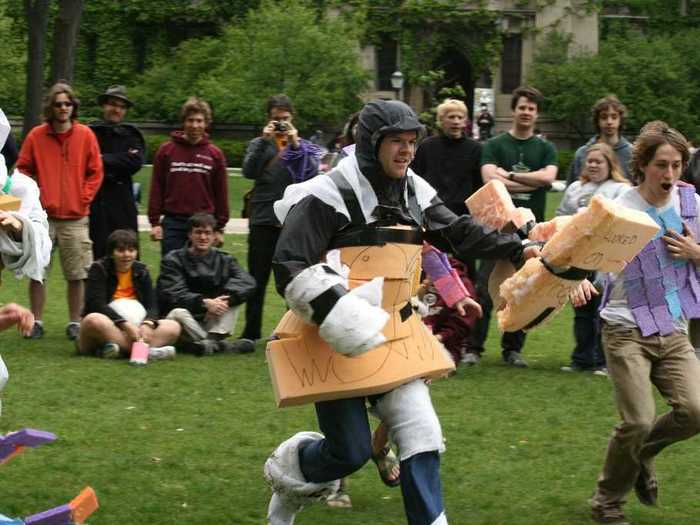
397	83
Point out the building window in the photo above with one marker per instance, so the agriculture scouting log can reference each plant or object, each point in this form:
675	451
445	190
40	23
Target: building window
386	55
511	63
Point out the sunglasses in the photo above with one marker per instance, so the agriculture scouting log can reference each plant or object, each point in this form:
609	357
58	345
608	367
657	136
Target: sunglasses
63	104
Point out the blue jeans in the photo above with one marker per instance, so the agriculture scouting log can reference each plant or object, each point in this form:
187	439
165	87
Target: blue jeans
588	352
175	231
348	446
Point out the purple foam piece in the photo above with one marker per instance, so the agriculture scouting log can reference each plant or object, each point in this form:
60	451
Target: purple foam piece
650	264
636	294
633	270
655	292
57	516
6	450
30	437
435	264
645	321
687	198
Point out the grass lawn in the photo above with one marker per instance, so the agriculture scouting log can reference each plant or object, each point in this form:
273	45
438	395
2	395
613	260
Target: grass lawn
183	442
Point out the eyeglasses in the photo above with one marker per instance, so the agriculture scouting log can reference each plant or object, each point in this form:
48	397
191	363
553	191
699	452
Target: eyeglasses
68	104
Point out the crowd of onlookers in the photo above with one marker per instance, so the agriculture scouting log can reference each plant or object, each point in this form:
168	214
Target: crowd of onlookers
84	174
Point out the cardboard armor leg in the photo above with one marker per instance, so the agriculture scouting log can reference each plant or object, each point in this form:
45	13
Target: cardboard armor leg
305	369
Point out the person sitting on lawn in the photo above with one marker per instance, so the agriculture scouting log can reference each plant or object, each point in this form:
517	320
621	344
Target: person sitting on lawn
201	288
119	305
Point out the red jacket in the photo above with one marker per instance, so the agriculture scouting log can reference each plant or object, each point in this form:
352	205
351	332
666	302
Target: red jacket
187	179
68	174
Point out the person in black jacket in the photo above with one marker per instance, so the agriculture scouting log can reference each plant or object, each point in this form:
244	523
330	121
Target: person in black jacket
119	305
123	152
274	161
201	288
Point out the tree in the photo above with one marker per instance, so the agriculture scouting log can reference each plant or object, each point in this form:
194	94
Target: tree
284	46
649	75
37	13
65	36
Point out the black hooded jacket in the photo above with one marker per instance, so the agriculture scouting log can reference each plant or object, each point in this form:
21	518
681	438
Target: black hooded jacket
311	225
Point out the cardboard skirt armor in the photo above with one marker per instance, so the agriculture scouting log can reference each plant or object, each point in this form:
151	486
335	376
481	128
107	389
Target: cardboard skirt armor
305	369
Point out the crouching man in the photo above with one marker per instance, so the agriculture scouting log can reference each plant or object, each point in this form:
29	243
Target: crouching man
361	203
119	305
202	288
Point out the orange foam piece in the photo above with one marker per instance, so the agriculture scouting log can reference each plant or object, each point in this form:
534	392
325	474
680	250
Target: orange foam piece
492	205
83	505
604	237
9	203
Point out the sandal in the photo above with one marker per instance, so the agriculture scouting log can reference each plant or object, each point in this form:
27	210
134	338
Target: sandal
386	460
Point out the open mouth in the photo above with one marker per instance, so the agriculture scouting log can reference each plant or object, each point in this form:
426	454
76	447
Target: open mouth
666	186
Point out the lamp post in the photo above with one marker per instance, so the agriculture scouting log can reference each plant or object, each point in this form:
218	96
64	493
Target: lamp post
397	83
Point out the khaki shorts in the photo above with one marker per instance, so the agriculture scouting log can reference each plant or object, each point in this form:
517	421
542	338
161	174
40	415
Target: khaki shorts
74	246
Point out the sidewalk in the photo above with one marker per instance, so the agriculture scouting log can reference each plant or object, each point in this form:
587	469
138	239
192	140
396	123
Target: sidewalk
239	226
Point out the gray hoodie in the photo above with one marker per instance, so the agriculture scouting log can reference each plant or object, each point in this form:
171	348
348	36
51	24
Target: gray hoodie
623	152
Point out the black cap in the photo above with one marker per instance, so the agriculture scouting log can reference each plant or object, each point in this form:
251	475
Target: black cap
115	92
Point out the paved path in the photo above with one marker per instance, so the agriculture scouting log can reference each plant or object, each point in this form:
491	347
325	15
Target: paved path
233	225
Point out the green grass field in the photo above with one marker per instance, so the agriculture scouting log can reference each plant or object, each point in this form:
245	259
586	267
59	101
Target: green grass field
183	442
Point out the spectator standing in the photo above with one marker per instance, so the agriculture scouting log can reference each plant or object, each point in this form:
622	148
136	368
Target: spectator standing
601	175
527	165
63	156
608	118
189	176
274	160
450	161
123	151
485	122
201	288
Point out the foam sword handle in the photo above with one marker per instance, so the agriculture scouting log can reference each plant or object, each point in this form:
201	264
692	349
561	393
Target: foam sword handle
445	279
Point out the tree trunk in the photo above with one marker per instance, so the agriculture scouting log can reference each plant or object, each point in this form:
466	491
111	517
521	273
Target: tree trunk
37	12
65	36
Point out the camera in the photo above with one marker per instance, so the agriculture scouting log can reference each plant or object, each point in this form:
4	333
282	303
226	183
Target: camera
281	127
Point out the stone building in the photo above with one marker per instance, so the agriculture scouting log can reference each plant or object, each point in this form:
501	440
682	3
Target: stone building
523	25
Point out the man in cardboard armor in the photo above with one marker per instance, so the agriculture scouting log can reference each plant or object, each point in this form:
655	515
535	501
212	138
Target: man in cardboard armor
346	261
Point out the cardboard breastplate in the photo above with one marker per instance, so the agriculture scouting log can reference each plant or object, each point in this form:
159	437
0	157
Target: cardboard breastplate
304	368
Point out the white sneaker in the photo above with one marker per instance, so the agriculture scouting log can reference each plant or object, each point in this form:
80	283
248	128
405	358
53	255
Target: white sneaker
161	352
282	510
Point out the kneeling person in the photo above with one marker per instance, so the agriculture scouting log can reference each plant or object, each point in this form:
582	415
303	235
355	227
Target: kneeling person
119	305
202	288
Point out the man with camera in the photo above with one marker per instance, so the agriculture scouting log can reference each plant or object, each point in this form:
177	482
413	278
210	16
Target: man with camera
274	160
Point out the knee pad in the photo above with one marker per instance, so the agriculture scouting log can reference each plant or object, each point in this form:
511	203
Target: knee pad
411	419
283	472
4	374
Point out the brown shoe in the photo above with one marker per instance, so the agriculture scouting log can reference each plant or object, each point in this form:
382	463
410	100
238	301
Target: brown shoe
646	486
610	514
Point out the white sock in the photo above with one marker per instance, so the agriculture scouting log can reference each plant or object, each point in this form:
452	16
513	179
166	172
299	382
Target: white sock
161	352
281	510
